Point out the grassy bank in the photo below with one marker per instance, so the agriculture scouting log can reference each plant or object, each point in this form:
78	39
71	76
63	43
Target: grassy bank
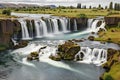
113	64
111	35
90	13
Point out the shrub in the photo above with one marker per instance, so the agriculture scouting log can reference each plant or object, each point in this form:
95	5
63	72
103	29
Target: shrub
82	16
7	12
108	77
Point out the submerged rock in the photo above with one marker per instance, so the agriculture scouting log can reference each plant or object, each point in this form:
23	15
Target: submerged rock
33	56
55	57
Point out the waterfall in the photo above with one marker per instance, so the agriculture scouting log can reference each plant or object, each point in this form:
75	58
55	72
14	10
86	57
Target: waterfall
55	26
75	25
63	25
95	56
50	26
25	33
37	29
94	25
69	24
89	23
102	26
31	31
44	27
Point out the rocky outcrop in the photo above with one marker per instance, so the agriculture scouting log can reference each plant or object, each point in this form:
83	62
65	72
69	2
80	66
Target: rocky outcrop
81	23
112	21
21	44
33	56
66	51
7	28
113	61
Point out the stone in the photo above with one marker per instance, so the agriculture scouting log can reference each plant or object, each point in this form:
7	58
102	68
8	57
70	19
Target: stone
68	50
33	56
91	38
21	44
55	57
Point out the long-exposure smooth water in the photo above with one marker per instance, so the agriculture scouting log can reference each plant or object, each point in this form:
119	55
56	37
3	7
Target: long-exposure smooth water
14	65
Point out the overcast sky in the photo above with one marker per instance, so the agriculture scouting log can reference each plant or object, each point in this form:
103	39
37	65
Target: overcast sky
64	2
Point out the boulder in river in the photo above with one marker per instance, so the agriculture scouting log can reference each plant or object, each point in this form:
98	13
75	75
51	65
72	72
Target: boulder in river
68	50
91	38
33	56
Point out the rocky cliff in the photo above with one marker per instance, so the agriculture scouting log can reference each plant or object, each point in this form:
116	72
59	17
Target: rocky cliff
112	21
7	28
81	23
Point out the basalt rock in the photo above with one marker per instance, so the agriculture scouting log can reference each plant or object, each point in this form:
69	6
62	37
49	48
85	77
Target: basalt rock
68	50
112	21
21	44
7	29
81	23
112	58
91	38
33	56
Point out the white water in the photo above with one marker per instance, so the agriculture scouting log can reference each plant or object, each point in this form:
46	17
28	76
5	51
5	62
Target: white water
95	28
63	25
37	29
25	33
95	56
44	27
55	26
94	25
75	25
89	23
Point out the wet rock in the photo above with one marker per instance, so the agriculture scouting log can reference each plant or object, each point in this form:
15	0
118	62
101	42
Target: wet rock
55	57
92	32
21	44
68	50
33	56
77	40
91	38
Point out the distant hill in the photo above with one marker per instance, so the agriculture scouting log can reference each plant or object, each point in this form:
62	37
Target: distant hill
12	5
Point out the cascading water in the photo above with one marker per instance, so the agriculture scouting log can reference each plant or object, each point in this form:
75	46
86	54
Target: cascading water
25	33
37	29
55	26
94	25
95	56
44	27
63	25
50	26
75	25
89	23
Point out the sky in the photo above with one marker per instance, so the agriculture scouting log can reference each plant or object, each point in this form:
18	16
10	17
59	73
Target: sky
64	2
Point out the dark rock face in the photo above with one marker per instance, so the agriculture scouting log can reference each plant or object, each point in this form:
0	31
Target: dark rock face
66	51
81	23
112	58
110	21
7	28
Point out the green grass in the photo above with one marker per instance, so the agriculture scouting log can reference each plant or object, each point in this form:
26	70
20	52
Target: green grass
90	13
114	36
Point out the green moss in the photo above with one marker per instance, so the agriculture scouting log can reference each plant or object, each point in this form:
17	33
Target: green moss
111	35
3	47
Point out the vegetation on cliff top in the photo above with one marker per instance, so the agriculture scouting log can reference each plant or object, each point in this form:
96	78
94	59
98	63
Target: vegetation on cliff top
111	35
112	66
